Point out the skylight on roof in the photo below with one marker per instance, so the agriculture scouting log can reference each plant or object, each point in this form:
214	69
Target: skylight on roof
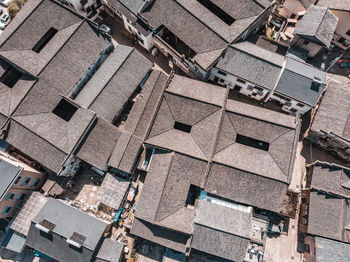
182	127
65	110
252	142
11	76
217	11
44	39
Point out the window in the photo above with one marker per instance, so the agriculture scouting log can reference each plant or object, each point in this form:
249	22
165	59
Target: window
141	41
10	196
306	42
11	76
25	181
293	110
35	182
348	32
281	97
182	127
315	86
6	210
292	16
83	2
21	196
130	29
48	235
300	105
17	180
240	81
341	40
221	73
216	79
65	110
44	40
78	249
222	81
252	142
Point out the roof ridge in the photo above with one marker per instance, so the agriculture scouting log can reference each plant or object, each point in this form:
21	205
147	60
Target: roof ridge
132	50
167	176
324	14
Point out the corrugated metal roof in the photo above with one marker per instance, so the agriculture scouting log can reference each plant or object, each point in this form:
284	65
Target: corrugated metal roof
14	241
8	173
296	80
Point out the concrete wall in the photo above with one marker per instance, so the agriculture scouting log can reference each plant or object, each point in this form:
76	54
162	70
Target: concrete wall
312	48
291	106
336	145
291	7
247	88
147	40
343	26
18	188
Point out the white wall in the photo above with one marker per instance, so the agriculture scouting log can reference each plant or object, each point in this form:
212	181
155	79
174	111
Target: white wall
232	80
147	40
288	106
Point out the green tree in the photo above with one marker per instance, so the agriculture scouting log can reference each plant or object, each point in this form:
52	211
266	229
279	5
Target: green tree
13	9
15	6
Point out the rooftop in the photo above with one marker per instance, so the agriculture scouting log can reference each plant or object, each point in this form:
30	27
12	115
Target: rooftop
301	82
67	220
202	141
329	216
330	250
341	5
318	25
334	111
26	214
252	63
132	5
110	251
58	86
332	179
112	191
205	26
329	211
231	226
114	82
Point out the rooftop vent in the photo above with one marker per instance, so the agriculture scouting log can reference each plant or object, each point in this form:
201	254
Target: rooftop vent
11	76
217	11
65	110
44	40
252	142
182	127
45	225
76	239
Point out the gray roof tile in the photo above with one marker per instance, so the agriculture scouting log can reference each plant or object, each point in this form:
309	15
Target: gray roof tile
318	25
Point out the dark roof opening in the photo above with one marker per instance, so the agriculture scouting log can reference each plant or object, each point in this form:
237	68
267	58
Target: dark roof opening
252	142
315	86
217	11
11	76
65	110
182	127
44	39
193	194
